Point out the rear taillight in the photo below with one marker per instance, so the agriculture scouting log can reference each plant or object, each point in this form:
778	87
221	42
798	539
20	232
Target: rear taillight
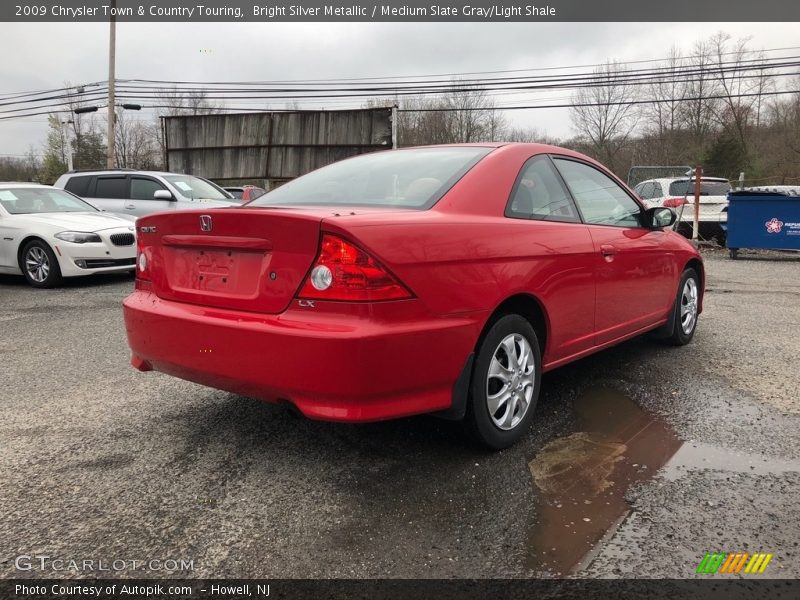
142	266
343	271
675	202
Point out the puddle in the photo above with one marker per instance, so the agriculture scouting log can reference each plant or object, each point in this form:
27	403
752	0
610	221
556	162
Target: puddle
583	477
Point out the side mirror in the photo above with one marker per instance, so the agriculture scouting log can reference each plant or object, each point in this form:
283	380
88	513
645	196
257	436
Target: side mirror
163	195
659	217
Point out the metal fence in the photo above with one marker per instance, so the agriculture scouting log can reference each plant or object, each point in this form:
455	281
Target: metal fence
269	148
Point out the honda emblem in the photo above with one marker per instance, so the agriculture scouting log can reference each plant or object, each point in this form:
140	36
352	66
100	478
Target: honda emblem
205	223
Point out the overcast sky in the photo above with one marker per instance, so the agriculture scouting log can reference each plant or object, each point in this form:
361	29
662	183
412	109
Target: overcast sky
40	56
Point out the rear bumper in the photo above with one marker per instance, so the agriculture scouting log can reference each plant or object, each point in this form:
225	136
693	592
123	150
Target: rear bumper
330	366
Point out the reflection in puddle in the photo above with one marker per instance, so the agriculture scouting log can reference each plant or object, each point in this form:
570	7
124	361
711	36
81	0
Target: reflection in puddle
584	476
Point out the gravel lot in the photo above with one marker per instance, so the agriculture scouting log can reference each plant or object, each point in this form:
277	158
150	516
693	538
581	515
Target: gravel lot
643	457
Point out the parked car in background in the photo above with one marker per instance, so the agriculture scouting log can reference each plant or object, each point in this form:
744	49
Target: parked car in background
246	192
673	191
48	233
427	280
137	193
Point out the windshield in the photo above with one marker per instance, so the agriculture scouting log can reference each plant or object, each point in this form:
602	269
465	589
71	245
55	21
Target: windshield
404	178
32	200
683	187
195	188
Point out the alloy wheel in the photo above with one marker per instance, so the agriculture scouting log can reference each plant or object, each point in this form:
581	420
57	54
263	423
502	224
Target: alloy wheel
37	264
689	305
511	381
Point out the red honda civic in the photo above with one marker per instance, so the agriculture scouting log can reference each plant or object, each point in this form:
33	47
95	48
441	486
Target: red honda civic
441	279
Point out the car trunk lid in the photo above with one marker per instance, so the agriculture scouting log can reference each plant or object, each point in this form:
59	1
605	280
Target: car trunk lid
246	259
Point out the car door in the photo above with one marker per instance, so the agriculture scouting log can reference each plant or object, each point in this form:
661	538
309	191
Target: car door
634	273
109	192
559	251
141	199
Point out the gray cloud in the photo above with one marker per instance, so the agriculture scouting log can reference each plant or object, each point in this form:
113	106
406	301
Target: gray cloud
39	56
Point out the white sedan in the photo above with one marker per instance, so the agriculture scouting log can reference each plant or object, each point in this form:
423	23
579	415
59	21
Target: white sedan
47	233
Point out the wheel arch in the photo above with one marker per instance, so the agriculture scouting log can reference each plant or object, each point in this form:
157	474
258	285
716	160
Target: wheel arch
697	264
25	241
525	305
30	238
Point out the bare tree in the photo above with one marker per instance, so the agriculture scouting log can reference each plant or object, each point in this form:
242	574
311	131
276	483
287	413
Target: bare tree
465	114
697	111
136	144
473	117
663	117
529	135
741	83
173	102
601	113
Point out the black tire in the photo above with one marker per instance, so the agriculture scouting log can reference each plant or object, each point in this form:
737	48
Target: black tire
478	420
36	250
680	335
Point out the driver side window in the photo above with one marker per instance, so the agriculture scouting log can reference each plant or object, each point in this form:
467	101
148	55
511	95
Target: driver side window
600	199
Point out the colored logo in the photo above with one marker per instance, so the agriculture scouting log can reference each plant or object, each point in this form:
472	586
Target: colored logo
774	225
205	223
734	562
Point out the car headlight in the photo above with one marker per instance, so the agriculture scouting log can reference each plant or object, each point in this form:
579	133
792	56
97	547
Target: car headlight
79	237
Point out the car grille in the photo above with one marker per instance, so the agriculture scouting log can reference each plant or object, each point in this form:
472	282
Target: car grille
122	239
99	263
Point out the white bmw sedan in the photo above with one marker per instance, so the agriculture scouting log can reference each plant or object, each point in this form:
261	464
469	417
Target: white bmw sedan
47	233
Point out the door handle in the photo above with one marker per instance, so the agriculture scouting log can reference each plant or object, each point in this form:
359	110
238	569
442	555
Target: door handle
130	205
608	251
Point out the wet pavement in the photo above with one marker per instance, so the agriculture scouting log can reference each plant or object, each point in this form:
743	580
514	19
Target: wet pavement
584	476
643	458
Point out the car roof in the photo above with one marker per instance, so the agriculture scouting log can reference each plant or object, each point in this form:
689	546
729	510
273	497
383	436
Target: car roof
121	172
9	184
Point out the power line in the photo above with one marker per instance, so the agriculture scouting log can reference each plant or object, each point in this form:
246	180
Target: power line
459	74
585	104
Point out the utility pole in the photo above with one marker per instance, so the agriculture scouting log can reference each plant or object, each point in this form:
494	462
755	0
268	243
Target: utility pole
112	112
67	143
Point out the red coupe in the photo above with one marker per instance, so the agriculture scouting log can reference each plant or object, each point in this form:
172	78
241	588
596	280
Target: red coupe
442	280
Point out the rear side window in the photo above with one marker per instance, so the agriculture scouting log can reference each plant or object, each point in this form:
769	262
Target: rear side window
143	188
79	185
111	187
538	194
601	199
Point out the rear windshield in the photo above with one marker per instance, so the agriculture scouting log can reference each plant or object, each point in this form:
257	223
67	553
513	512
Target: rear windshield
33	200
685	187
414	178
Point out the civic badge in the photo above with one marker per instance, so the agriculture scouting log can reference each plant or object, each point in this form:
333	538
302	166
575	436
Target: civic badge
205	223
